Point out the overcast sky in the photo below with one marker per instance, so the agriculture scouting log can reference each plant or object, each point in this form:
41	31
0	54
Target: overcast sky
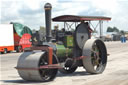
31	12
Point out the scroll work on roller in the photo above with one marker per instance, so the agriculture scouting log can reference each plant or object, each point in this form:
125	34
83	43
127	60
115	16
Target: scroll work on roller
63	50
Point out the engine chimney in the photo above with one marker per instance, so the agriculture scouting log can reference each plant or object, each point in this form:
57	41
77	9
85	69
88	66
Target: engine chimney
48	8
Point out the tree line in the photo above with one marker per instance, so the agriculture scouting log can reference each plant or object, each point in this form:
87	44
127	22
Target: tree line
115	29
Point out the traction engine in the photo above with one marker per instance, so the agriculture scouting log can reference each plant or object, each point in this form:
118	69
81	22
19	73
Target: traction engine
63	50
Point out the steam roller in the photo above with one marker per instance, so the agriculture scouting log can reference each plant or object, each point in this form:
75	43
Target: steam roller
62	50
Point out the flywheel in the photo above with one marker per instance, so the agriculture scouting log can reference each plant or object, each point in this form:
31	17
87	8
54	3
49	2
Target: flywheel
81	34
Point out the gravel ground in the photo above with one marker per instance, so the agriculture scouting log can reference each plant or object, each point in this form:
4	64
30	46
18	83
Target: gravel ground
116	72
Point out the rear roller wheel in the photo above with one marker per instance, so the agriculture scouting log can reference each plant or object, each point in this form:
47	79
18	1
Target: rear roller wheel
29	63
96	56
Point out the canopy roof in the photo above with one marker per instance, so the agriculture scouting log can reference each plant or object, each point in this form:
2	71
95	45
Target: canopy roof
74	18
21	29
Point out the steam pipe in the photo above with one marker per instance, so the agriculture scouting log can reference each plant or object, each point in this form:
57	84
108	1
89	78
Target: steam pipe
48	8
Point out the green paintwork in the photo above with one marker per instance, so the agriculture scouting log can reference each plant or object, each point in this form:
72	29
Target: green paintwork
62	51
68	41
21	29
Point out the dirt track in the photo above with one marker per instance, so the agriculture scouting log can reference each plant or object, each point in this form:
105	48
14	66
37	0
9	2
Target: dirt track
116	72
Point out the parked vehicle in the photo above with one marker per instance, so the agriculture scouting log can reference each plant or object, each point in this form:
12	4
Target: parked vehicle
14	36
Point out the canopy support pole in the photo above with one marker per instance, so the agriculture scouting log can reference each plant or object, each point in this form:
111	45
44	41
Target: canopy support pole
101	28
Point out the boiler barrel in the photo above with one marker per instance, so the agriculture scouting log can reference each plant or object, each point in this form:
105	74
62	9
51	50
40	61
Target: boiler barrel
63	52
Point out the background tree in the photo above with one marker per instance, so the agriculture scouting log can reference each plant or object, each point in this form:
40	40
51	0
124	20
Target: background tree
42	33
42	30
122	32
33	31
109	29
115	29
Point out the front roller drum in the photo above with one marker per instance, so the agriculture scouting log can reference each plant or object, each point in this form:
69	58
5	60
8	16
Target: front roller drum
28	67
95	53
